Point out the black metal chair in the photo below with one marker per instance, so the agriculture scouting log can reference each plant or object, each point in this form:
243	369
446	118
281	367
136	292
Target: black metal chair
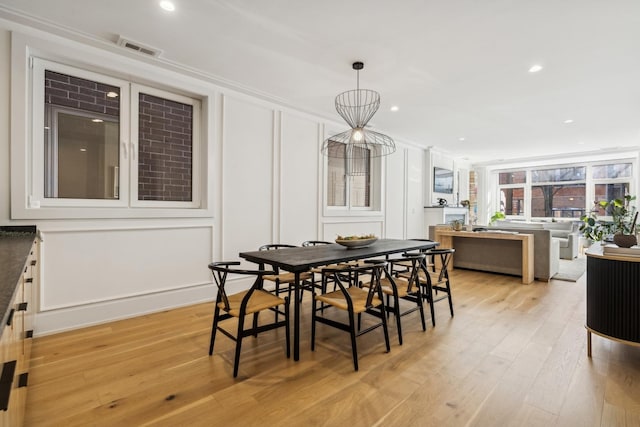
279	278
435	277
249	302
317	270
354	300
403	287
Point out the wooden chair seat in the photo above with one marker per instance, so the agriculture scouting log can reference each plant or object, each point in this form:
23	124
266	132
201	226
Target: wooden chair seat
401	283
358	298
258	301
287	278
342	265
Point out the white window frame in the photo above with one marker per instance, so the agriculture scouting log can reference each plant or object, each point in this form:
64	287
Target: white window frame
37	196
27	162
136	89
375	192
588	181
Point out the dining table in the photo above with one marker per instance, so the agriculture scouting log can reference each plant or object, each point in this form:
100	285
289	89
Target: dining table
298	260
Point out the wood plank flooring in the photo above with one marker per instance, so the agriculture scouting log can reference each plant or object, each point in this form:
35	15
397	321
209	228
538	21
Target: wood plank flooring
513	355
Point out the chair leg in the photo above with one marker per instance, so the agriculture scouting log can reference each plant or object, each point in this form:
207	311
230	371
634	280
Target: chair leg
277	294
255	324
429	297
421	308
236	361
396	313
287	327
214	328
313	323
352	332
449	295
385	328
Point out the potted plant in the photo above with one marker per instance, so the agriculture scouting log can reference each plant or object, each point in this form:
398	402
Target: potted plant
622	225
457	224
496	216
624	220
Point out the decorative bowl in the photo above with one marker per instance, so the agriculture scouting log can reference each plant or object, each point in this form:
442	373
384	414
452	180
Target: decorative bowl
624	240
356	243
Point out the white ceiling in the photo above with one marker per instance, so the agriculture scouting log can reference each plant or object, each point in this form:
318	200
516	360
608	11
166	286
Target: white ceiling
456	68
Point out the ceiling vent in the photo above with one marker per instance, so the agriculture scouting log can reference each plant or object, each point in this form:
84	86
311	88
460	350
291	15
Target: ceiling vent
138	47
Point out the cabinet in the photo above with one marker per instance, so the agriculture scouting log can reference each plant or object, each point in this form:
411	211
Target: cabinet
434	215
613	297
19	259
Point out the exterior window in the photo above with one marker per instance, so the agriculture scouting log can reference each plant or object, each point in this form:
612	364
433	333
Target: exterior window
517	177
353	190
610	192
558	201
611	182
617	170
563	191
512	192
109	142
512	201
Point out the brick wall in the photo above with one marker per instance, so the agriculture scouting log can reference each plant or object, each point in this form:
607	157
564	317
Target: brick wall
81	94
165	149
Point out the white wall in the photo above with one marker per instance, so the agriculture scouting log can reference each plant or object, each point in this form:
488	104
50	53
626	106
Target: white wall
264	185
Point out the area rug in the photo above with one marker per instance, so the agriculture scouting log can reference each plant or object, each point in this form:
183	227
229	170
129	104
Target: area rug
571	271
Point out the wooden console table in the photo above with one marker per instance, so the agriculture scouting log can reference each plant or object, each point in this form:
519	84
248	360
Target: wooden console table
613	296
446	238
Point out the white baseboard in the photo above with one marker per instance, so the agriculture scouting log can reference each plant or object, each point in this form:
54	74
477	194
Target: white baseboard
65	319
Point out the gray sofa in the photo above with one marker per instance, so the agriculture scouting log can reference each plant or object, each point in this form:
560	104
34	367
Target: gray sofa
568	237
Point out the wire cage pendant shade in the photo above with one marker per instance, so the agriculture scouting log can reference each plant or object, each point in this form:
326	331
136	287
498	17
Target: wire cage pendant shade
357	107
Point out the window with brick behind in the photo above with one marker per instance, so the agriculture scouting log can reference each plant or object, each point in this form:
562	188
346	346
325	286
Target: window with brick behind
113	142
82	119
81	94
165	142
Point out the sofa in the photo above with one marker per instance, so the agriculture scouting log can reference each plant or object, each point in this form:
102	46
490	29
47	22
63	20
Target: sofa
484	255
566	232
568	237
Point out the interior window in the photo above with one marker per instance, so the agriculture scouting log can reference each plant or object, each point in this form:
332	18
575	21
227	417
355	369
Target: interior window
82	126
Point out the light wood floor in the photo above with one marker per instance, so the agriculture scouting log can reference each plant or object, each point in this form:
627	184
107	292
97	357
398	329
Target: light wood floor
513	355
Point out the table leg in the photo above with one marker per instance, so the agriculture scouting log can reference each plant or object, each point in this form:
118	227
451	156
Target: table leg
588	343
296	317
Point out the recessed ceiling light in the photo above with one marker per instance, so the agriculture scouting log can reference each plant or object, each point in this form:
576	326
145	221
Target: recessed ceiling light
568	121
112	94
394	108
535	68
167	5
83	149
97	120
462	138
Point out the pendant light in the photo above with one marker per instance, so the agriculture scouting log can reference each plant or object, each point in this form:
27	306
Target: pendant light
358	144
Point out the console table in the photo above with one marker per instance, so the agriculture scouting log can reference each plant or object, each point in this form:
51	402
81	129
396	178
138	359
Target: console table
502	247
613	296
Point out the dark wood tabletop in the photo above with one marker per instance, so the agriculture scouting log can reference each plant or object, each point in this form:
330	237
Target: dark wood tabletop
301	259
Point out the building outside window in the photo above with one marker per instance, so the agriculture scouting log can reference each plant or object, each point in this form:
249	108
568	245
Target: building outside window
561	191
